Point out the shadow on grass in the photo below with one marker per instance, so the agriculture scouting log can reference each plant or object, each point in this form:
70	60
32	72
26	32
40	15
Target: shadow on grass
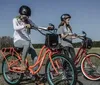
79	82
0	74
31	82
26	81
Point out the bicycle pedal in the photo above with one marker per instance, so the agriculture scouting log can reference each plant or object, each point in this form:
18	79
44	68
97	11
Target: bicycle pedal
37	77
43	79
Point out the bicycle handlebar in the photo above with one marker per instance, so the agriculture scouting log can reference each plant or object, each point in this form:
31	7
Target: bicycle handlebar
82	37
49	30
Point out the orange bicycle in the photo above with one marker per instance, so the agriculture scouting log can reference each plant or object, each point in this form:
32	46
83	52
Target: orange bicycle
56	74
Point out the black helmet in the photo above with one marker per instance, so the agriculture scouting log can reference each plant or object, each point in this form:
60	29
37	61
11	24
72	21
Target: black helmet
64	16
25	10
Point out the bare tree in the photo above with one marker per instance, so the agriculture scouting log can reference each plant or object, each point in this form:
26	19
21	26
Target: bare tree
6	41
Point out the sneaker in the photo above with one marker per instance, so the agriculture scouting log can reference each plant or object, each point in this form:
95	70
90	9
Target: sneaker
29	76
35	77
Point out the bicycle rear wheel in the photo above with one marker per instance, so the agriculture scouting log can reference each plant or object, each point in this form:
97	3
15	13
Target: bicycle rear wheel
11	77
65	76
90	66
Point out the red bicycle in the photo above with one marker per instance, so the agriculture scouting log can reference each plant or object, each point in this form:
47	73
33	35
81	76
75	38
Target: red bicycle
90	62
55	73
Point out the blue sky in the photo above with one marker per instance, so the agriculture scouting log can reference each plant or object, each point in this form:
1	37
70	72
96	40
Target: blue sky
85	15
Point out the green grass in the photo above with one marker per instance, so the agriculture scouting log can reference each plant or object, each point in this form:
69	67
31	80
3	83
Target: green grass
93	50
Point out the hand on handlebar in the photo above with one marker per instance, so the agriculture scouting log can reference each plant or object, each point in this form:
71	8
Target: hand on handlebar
80	36
28	26
75	35
50	28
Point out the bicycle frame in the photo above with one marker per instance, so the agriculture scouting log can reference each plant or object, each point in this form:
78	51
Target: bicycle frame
39	61
79	55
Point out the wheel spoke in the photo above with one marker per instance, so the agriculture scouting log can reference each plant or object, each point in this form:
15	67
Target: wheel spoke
91	67
65	70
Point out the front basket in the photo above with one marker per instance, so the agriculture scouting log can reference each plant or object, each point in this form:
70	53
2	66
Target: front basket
51	40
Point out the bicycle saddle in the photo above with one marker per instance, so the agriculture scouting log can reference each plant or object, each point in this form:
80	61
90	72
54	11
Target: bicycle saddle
18	49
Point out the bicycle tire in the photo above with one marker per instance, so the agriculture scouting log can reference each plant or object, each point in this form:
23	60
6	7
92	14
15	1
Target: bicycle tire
70	66
90	66
5	74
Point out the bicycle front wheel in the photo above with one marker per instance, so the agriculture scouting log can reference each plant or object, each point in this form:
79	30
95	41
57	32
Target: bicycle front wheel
90	66
66	75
